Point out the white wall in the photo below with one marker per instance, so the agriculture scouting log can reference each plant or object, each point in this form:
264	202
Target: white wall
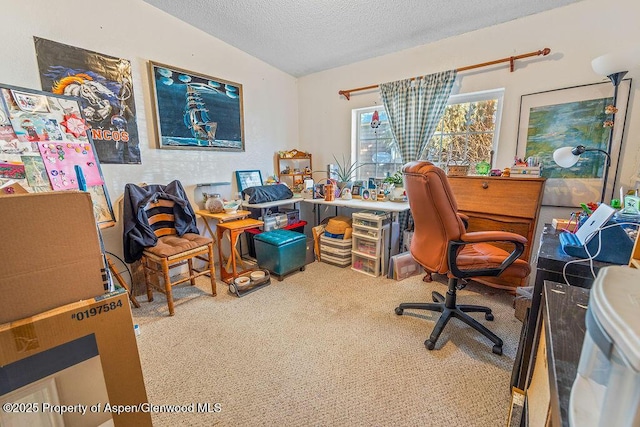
281	112
575	34
136	31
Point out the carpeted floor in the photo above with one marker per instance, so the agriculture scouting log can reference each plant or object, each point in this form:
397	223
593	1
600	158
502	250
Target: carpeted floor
324	347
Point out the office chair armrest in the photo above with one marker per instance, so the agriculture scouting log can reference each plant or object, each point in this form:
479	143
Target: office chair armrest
485	237
492	236
464	218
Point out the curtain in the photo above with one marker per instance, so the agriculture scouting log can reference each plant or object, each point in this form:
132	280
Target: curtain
414	108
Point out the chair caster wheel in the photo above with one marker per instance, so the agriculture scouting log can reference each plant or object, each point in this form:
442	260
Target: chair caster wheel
429	344
399	311
488	316
497	349
434	299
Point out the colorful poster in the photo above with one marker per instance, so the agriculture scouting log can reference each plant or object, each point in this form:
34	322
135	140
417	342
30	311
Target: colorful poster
60	159
104	85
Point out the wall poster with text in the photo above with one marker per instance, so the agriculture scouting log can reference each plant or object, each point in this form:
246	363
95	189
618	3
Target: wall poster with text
105	86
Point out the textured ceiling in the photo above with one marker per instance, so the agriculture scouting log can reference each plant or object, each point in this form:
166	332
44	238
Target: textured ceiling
301	37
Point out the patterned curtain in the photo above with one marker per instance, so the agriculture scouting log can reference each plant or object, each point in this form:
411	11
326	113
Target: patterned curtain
414	108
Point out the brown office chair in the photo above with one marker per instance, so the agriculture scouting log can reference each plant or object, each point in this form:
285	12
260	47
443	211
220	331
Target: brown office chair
160	230
442	245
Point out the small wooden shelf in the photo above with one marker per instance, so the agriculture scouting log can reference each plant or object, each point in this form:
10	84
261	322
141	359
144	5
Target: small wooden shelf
294	160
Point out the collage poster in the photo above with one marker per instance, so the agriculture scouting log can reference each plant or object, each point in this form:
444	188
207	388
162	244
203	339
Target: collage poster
43	138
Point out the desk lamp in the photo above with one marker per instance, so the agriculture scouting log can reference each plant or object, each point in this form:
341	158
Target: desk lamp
566	157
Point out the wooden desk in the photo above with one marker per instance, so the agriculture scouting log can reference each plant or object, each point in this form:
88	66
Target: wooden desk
235	229
501	203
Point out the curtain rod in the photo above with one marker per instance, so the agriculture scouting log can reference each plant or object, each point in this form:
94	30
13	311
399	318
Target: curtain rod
510	59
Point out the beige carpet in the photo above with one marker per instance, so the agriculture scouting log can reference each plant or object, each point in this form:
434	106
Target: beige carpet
325	348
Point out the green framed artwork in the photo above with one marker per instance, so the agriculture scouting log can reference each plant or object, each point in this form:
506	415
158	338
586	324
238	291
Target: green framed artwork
567	118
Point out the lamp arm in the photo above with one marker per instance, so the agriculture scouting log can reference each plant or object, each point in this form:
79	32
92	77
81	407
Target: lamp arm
603	152
582	149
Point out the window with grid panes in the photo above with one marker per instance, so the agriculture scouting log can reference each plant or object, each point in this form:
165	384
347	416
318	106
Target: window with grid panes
375	149
466	134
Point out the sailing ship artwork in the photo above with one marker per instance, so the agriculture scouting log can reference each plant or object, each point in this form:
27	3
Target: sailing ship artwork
196	111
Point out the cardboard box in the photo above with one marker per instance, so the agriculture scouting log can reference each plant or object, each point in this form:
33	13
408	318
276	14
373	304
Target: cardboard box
11	188
78	356
50	253
564	224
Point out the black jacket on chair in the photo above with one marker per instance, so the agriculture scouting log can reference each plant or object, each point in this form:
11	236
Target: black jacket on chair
137	234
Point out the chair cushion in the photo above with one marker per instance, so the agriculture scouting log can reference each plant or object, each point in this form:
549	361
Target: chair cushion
169	246
484	255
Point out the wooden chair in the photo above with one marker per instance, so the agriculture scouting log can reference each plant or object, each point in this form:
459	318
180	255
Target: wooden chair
172	251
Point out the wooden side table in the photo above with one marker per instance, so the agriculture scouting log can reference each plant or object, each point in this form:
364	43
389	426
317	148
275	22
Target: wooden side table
235	229
220	217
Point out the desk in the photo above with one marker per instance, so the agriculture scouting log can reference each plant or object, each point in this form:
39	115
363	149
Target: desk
235	229
551	260
393	207
264	207
564	310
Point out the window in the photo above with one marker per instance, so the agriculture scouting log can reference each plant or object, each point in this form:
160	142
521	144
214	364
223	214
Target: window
467	134
375	149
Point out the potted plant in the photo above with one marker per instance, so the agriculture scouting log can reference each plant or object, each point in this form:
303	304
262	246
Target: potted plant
345	170
397	190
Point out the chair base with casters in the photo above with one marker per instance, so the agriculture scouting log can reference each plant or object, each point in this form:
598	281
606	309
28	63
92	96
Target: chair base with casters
174	251
449	309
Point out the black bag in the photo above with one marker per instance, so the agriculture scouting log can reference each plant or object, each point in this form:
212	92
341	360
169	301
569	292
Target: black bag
266	193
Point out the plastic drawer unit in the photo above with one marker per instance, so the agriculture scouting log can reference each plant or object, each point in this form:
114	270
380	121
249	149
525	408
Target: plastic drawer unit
369	229
281	251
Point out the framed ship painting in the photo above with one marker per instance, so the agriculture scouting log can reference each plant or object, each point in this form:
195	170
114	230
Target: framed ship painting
194	111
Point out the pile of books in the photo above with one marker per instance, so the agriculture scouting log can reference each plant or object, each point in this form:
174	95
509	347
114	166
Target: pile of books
526	171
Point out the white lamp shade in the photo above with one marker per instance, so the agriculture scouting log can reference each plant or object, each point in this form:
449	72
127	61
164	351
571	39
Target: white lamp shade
617	61
564	157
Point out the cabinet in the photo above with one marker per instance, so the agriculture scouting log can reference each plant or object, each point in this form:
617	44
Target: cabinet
367	250
294	167
500	204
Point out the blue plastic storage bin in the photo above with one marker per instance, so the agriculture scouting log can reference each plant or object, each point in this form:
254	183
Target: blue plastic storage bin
281	251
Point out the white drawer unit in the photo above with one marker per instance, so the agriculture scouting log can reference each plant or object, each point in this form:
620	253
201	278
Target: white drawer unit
367	250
